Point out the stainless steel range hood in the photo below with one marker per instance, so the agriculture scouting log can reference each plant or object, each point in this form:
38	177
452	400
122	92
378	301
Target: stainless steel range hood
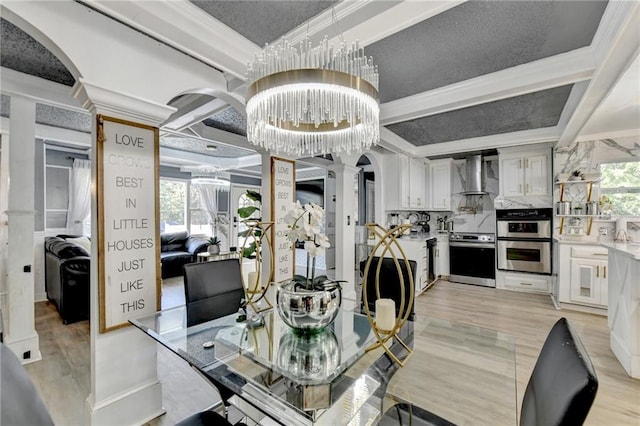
475	176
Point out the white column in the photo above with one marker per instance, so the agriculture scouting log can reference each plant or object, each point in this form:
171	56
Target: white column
345	229
124	382
20	331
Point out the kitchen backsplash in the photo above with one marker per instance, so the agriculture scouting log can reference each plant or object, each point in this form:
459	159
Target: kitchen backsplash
586	157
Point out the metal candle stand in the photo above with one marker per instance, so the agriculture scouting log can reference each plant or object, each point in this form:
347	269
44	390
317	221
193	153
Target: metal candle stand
388	240
259	291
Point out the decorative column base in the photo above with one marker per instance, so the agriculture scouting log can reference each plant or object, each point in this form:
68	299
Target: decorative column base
122	409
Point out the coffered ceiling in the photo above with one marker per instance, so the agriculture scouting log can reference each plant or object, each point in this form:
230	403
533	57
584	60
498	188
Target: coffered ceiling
455	76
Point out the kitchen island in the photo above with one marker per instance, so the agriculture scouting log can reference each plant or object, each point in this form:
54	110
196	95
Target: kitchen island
624	304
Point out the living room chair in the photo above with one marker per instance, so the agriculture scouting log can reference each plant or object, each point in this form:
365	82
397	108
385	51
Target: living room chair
213	290
560	392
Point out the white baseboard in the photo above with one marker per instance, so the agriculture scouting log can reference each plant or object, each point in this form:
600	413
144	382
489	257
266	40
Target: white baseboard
41	297
135	407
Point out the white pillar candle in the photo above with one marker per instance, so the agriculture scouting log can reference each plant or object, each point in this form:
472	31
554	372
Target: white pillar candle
385	314
252	281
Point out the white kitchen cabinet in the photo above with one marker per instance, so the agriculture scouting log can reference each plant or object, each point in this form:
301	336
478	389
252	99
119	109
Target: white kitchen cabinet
405	183
525	174
439	184
442	256
417	184
583	277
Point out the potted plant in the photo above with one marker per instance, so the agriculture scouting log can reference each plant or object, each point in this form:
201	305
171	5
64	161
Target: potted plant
214	245
308	303
246	213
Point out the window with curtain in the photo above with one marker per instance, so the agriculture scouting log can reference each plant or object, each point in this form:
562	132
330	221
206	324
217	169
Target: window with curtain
79	210
620	187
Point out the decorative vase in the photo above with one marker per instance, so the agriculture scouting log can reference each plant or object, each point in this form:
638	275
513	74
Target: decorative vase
307	311
213	249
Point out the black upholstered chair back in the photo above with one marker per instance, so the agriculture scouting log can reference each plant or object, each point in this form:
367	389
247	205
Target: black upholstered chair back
563	384
20	402
212	290
389	282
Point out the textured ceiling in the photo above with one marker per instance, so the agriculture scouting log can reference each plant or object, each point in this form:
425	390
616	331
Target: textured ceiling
22	53
230	120
531	111
4	105
480	37
59	117
262	21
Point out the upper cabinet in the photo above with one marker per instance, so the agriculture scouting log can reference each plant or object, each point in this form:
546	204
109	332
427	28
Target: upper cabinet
405	183
525	173
439	184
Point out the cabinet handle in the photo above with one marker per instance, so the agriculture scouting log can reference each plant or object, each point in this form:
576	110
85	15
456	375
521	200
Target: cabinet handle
604	275
597	271
408	199
600	254
419	201
526	284
519	164
519	187
526	163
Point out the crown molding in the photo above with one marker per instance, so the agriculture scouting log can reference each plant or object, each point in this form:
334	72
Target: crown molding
395	143
50	133
120	105
566	68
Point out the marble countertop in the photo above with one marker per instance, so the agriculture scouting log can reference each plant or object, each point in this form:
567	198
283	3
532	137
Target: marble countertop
630	249
574	241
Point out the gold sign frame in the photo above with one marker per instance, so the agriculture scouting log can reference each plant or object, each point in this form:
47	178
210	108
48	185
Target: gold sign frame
100	196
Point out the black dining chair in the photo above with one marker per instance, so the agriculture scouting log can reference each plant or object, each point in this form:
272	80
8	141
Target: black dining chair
560	392
389	279
563	384
212	290
20	402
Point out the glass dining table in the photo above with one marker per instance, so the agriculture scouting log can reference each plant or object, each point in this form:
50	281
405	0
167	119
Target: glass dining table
458	372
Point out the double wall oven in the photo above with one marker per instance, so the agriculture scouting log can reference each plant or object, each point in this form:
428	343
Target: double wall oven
524	240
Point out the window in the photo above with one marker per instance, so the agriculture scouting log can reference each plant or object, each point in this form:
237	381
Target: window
620	186
173	205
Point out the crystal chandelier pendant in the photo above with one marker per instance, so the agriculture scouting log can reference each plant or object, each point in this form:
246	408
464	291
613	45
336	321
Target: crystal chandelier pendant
309	101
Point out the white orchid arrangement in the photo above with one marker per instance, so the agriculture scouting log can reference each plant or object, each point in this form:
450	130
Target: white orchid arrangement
306	223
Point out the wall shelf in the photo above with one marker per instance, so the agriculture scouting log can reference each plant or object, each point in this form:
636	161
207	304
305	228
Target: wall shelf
589	193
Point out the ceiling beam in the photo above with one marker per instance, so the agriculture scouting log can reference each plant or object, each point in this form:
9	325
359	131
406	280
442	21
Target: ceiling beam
566	68
525	137
41	90
186	27
192	115
223	137
616	45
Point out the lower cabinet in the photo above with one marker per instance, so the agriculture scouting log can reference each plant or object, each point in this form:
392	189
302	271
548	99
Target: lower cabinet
583	277
523	282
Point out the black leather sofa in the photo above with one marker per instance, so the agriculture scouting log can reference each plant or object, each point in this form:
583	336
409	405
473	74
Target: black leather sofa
177	249
67	278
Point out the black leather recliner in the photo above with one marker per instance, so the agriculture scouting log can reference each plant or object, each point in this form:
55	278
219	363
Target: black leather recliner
178	249
67	278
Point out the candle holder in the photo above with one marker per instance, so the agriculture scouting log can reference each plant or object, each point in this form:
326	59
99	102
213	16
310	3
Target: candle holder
389	246
255	292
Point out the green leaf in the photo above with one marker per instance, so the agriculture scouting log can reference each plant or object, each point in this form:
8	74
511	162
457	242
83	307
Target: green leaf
244	233
254	196
245	212
299	279
320	279
250	250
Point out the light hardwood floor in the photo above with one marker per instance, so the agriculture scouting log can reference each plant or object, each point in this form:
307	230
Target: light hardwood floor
63	376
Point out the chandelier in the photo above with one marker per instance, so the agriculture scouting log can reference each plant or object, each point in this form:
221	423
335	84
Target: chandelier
308	101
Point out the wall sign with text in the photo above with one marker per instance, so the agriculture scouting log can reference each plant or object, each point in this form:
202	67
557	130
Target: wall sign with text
128	235
283	194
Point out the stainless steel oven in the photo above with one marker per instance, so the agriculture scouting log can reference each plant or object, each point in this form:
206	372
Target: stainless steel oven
472	259
524	240
525	256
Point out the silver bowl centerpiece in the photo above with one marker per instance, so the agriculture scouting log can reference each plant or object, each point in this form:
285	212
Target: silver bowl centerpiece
310	359
308	310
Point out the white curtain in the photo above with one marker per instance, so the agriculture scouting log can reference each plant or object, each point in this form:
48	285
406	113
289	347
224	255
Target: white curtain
209	200
79	196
